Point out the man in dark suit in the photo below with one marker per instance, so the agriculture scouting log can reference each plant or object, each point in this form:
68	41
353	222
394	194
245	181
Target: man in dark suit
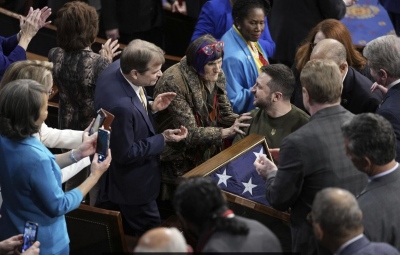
133	179
138	19
312	157
210	226
371	145
393	9
383	58
356	95
291	21
337	223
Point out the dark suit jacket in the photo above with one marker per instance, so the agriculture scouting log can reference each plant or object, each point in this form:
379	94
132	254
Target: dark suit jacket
312	158
292	20
391	5
356	95
134	175
131	16
364	247
379	203
259	239
391	111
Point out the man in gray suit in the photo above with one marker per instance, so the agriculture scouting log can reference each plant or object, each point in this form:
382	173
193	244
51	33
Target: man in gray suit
312	157
371	145
337	222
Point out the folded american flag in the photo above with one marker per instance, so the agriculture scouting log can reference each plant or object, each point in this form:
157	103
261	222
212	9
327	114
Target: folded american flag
241	178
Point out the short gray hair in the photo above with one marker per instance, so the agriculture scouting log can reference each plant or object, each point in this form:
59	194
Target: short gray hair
384	53
337	212
380	147
162	240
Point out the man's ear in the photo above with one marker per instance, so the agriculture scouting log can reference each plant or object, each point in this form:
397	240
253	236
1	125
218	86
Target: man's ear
134	74
343	68
278	96
383	73
366	163
318	232
306	97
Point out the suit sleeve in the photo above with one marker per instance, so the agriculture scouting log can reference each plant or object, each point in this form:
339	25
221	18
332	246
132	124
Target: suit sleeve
284	186
50	193
11	52
332	9
129	139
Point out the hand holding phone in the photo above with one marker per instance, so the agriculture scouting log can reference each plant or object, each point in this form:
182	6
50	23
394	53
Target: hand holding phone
103	143
30	234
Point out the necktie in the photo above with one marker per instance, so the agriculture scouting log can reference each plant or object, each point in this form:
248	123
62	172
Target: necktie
143	98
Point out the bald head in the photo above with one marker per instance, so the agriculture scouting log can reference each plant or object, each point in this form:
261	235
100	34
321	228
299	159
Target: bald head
162	240
329	49
337	212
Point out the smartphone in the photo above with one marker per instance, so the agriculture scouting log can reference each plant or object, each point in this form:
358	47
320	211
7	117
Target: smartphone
30	234
103	143
98	122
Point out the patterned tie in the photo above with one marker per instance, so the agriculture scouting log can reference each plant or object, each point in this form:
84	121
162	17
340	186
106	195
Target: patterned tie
143	98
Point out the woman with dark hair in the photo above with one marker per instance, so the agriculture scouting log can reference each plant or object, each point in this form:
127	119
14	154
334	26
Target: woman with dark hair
201	105
244	56
329	28
76	68
210	226
30	175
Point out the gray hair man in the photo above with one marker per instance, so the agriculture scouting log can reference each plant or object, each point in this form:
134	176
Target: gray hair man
370	143
337	223
383	58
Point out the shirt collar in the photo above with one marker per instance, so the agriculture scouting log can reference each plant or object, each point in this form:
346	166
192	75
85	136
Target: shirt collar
384	173
341	248
393	83
135	88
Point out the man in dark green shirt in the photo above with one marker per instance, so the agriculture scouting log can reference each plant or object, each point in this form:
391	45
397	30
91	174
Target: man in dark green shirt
275	117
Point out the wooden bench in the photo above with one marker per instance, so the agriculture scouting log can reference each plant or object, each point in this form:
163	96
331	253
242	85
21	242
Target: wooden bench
94	231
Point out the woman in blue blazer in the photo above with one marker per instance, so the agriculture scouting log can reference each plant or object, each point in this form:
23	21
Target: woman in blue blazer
30	175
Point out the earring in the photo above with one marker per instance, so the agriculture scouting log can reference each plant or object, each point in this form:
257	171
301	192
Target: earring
238	27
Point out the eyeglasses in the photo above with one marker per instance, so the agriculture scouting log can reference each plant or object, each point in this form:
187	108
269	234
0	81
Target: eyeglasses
209	49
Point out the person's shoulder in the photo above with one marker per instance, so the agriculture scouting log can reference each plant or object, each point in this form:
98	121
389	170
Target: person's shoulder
55	53
377	248
300	113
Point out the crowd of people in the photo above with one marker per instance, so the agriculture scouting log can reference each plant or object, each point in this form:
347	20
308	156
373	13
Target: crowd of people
327	109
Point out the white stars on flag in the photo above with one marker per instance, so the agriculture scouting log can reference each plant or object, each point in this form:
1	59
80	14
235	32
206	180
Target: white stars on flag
223	178
248	187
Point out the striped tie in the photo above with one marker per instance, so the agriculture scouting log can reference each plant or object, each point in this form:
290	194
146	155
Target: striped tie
143	98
